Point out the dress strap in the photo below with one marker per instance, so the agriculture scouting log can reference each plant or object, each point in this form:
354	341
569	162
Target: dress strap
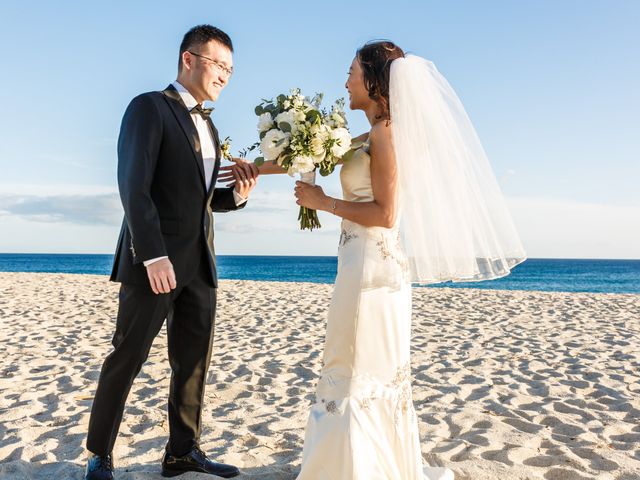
366	145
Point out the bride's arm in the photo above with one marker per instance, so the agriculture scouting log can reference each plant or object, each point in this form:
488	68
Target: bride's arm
270	168
383	210
228	172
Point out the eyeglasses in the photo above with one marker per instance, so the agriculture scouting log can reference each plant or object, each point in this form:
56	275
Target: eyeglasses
221	68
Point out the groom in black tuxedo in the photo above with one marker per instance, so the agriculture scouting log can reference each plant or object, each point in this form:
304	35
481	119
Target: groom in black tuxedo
168	163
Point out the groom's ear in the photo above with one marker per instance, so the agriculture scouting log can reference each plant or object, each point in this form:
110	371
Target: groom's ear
186	61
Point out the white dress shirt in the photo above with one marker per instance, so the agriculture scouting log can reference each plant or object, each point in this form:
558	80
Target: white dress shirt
207	147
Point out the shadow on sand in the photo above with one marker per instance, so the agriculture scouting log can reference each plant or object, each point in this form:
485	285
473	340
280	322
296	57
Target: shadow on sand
21	470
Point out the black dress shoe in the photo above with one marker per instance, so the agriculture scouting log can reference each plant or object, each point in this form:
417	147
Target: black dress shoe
99	468
195	461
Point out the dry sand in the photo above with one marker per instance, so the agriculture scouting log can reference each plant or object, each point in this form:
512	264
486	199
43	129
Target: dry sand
507	385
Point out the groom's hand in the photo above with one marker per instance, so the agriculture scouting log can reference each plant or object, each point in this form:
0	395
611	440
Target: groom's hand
162	278
243	186
240	170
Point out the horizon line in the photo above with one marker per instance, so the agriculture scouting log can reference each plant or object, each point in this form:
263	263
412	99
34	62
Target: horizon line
317	256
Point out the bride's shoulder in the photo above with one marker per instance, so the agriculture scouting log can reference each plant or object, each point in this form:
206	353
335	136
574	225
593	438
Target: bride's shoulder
360	138
380	136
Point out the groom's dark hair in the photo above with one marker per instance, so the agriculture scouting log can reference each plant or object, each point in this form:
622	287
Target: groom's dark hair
201	34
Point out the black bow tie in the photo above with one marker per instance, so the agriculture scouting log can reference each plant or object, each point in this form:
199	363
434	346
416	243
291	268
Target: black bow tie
204	112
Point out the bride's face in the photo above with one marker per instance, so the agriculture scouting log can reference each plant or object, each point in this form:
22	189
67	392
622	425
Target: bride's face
358	94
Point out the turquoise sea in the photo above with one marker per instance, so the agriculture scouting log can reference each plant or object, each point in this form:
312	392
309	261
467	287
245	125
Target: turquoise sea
559	275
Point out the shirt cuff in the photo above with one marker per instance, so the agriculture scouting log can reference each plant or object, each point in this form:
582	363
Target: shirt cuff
146	263
239	199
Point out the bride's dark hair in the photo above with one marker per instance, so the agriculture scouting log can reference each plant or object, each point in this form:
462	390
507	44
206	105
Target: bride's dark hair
375	58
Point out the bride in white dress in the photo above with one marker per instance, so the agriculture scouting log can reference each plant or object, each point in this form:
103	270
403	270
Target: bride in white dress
420	204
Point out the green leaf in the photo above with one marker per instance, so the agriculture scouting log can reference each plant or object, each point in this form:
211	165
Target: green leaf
285	127
262	134
281	98
313	116
259	161
285	160
245	151
317	99
259	110
280	142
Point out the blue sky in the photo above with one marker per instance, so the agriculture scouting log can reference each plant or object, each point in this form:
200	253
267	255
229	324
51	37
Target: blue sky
551	86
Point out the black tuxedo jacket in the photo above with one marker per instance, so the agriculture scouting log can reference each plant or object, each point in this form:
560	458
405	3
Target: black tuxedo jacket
167	208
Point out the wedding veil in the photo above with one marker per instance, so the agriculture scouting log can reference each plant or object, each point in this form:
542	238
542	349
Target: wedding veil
454	222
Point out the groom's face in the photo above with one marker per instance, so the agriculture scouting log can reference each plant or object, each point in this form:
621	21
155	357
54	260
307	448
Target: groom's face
208	69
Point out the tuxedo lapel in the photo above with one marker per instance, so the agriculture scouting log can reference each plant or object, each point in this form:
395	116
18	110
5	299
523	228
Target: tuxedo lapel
216	168
186	123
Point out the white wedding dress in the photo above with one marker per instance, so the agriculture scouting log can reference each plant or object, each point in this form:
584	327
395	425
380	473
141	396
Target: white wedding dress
363	425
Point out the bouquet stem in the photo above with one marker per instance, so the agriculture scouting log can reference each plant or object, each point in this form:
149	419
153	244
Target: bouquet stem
308	217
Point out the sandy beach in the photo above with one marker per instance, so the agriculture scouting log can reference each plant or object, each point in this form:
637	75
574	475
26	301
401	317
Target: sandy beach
507	385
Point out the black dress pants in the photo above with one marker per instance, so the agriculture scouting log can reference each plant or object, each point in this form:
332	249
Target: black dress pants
190	314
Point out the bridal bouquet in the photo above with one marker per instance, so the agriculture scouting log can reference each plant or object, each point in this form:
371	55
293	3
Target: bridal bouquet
302	138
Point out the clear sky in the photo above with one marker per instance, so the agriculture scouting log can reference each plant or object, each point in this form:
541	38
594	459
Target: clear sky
551	87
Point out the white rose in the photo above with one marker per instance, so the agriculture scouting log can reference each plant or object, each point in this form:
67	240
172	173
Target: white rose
343	142
317	147
299	116
288	117
268	146
321	130
265	122
301	164
320	136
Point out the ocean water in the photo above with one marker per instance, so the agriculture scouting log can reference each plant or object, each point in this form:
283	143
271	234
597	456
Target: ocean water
558	275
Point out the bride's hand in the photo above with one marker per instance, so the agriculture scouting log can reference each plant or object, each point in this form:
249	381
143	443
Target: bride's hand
310	196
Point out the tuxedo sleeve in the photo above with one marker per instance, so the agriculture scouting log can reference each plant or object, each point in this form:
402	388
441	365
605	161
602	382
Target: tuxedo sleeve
138	148
223	200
